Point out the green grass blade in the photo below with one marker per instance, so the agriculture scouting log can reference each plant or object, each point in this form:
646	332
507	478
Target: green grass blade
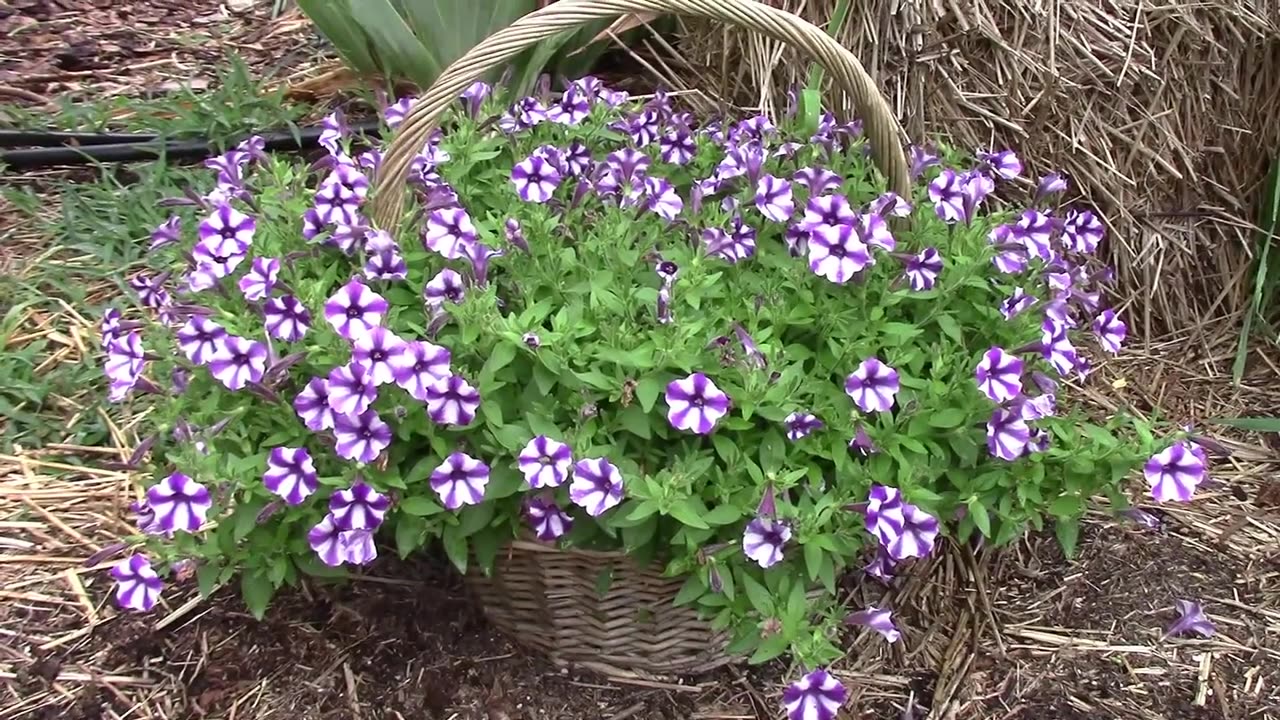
1264	280
1256	424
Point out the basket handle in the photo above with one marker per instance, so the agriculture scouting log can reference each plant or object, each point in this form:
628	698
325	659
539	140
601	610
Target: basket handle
879	123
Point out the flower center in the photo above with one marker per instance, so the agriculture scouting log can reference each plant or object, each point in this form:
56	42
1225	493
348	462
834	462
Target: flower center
354	312
377	355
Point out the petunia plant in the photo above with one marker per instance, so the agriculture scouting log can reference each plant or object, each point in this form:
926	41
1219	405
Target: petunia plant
719	346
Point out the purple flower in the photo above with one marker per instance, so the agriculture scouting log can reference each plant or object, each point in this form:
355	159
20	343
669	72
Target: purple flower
478	255
312	405
826	210
1110	331
218	257
1016	303
179	503
919	532
922	270
354	310
1055	346
676	146
695	404
773	198
373	351
166	233
445	286
261	278
1050	184
535	179
596	486
545	463
763	540
333	128
515	235
359	507
290	474
837	252
226	224
531	340
362	437
460	480
452	401
1191	619
884	513
873	385
358	546
732	247
125	360
999	375
816	696
137	584
817	180
628	165
286	318
474	96
891	204
326	540
921	159
861	443
573	108
879	620
1174	473
241	361
1007	435
1004	163
1082	231
547	519
449	230
201	339
801	425
351	389
881	566
947	193
751	351
395	113
386	264
662	199
417	364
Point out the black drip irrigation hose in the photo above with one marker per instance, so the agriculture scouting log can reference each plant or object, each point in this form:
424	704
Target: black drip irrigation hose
61	148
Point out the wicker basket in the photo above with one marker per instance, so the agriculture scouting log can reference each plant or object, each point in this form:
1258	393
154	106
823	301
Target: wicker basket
546	597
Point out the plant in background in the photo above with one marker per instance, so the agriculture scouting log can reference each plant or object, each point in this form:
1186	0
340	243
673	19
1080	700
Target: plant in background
416	40
720	347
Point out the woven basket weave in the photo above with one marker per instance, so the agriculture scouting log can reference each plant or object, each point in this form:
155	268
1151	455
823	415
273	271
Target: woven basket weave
548	598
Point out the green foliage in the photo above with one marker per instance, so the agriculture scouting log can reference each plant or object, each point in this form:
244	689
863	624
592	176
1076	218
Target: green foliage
416	40
597	380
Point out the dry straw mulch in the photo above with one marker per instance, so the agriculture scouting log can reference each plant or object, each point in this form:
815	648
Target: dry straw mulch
1164	112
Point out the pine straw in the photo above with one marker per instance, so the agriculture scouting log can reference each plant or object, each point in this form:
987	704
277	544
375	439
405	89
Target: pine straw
1164	112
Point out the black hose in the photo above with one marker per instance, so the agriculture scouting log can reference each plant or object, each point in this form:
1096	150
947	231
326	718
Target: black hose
46	138
144	147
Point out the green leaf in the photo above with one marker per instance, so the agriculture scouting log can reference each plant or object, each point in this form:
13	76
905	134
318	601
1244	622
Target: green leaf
725	447
634	420
723	515
410	534
1068	532
504	481
769	649
948	418
501	356
690	511
420	505
981	520
813	556
648	390
391	42
597	380
692	589
207	578
760	597
455	546
475	518
256	589
1067	506
1255	424
950	327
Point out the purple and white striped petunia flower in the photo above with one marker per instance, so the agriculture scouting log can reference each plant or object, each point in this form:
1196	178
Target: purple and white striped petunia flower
290	474
662	199
1016	303
286	318
125	358
446	286
884	513
358	507
874	232
861	443
999	375
837	252
695	404
373	351
948	196
545	463
596	486
240	362
312	405
326	540
535	179
676	146
763	540
773	198
201	339
167	233
1082	231
819	181
891	204
417	364
1110	330
474	96
1033	231
1007	435
919	532
227	223
922	158
216	257
826	210
546	518
922	270
460	480
816	696
732	247
801	425
1191	619
261	278
395	113
873	385
386	264
179	503
355	309
1174	473
452	401
1004	163
879	620
351	389
448	231
137	584
333	128
358	546
362	437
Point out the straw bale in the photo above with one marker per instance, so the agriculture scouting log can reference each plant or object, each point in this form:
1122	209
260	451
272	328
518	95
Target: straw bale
1166	114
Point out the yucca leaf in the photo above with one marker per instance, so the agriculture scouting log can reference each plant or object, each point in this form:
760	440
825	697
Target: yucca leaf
333	19
393	44
449	28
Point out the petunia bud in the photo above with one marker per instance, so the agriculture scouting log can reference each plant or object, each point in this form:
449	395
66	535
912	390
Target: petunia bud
183	570
140	452
106	554
532	341
768	505
267	511
714	580
515	235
